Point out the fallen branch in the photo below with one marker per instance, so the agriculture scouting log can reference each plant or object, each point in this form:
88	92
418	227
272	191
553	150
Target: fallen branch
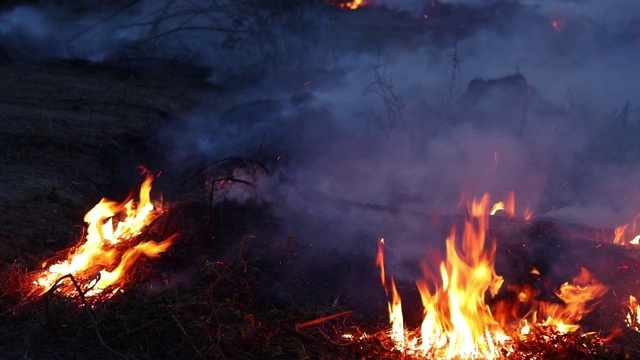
322	319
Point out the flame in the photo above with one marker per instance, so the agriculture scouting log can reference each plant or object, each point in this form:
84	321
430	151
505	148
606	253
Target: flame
497	207
618	234
633	316
380	263
627	234
528	214
352	5
105	257
457	322
564	317
395	305
395	315
508	206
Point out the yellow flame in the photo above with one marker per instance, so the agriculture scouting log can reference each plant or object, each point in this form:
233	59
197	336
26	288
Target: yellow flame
497	207
632	318
352	5
623	233
508	206
457	323
102	258
618	234
395	316
564	317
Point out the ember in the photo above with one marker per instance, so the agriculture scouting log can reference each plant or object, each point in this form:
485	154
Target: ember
109	251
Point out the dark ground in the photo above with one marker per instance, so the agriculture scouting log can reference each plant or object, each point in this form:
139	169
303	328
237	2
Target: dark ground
74	132
231	287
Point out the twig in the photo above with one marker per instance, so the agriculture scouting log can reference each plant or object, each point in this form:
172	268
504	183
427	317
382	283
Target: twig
87	307
322	319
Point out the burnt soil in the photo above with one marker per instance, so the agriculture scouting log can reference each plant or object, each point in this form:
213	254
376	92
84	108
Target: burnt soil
232	286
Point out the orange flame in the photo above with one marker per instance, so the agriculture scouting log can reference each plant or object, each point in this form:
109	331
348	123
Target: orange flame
352	5
395	305
627	234
457	322
508	206
528	214
633	316
105	257
618	234
576	296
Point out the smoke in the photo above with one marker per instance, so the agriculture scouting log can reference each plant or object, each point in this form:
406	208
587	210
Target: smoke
402	131
371	119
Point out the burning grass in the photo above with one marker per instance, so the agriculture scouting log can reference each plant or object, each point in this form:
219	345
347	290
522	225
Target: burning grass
224	312
242	296
219	293
229	308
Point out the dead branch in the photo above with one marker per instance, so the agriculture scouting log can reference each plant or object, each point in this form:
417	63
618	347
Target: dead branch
322	319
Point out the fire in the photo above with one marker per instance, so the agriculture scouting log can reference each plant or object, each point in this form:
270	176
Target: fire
508	206
352	5
627	234
457	322
395	305
108	253
576	296
618	234
528	214
633	316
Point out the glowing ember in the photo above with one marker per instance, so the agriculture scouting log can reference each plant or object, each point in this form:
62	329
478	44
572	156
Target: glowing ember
103	260
457	322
